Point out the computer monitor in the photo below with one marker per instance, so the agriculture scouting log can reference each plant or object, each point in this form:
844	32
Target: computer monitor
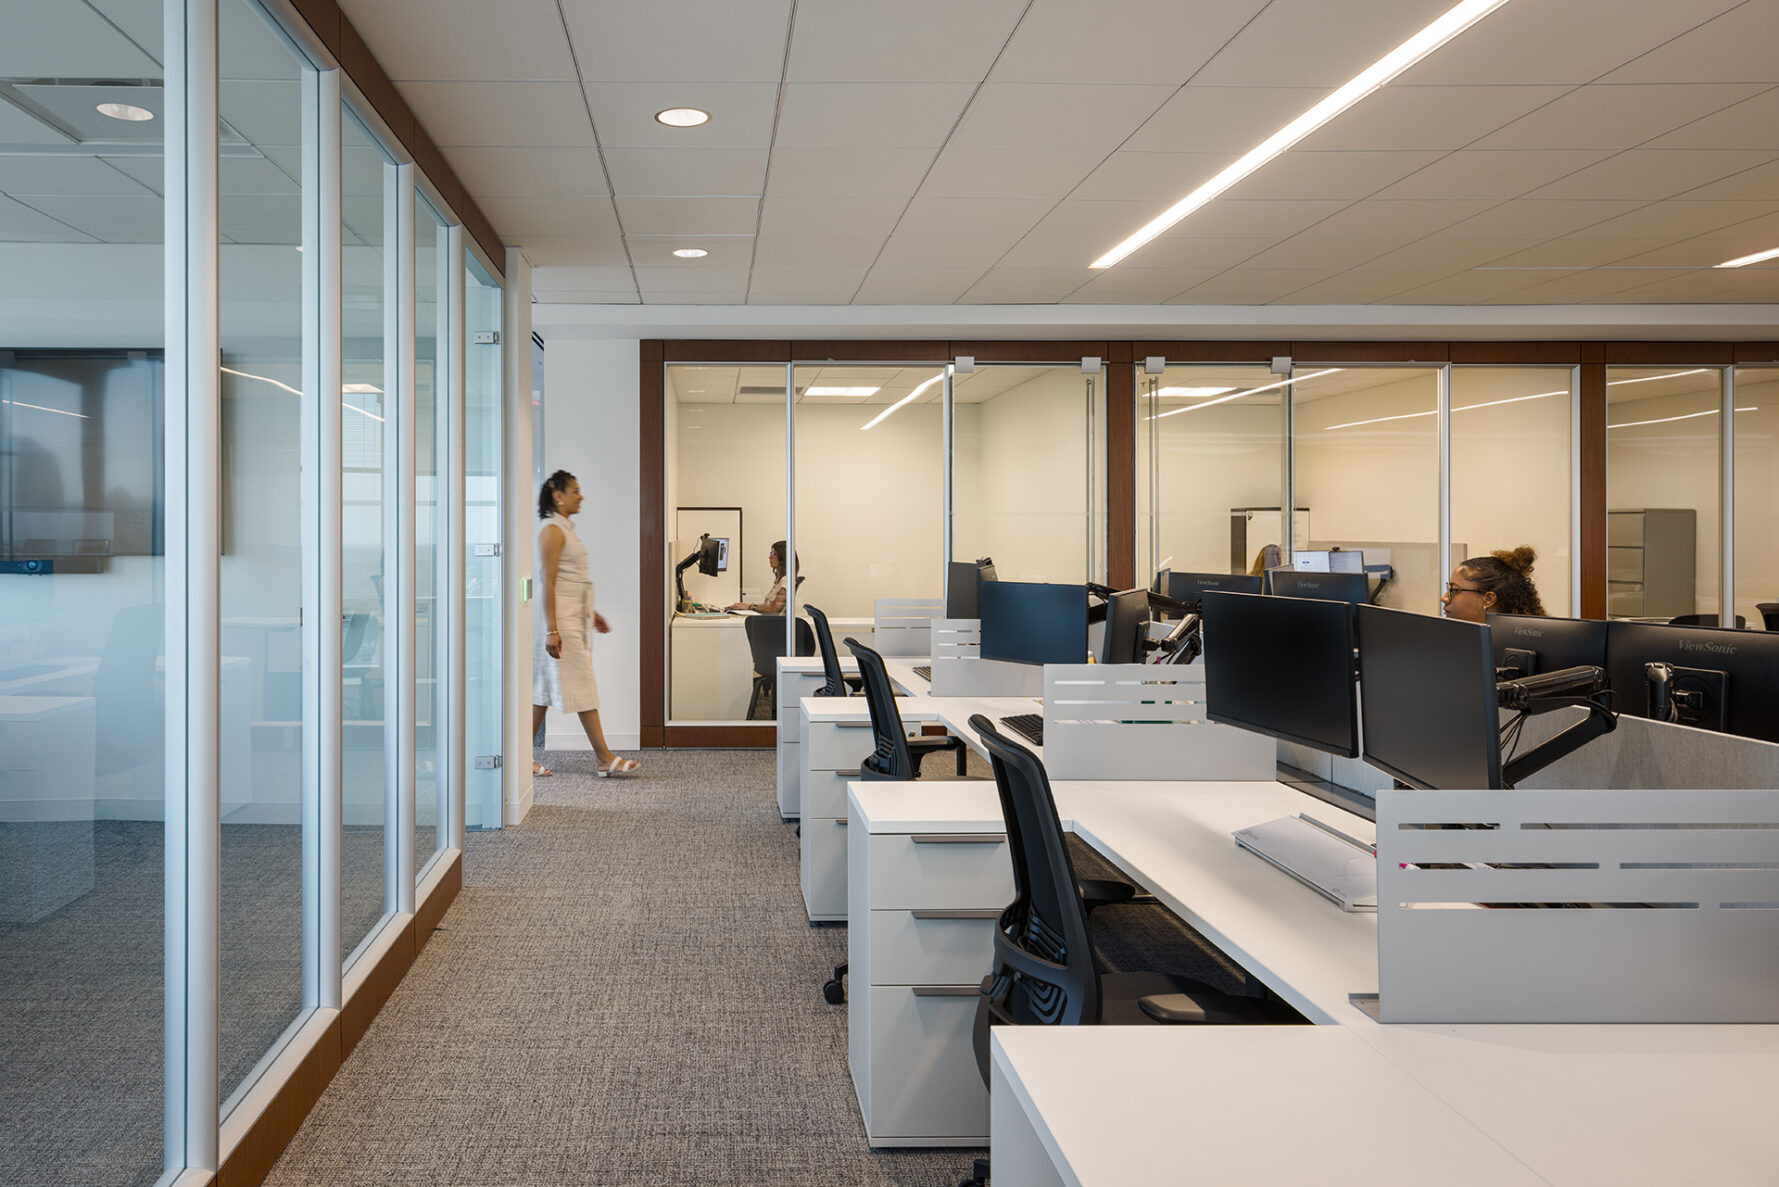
963	586
713	555
1127	627
1326	586
1190	587
1427	700
722	554
1031	622
1337	560
1711	678
1532	646
1282	667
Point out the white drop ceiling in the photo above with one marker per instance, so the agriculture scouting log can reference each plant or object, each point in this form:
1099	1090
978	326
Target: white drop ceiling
932	152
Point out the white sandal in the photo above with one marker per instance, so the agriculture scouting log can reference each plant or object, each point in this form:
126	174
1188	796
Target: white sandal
619	766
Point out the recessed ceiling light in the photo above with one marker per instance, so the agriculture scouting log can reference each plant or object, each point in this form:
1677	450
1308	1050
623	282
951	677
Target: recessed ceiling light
1756	258
125	111
361	389
1457	19
1193	391
841	391
682	117
691	253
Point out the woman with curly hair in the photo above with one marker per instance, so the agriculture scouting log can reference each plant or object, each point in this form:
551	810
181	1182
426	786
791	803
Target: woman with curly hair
1500	583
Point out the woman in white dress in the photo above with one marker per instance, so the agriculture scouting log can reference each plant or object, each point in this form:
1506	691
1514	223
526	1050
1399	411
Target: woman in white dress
562	658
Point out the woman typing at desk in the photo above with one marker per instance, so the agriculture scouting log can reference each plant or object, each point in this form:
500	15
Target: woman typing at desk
773	602
1500	583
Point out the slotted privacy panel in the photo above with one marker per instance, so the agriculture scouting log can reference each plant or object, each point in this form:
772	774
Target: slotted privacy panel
1143	721
960	671
903	625
1578	906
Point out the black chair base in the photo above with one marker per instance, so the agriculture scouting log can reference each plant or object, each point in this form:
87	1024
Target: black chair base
834	989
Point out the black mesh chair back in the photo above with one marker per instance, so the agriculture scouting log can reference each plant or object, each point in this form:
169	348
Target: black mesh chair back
834	683
1043	973
765	640
1769	614
1704	620
891	759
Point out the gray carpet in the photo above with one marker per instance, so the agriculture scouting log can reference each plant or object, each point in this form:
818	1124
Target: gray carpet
627	992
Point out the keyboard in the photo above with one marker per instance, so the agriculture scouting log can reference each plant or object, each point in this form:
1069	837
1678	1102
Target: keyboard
1029	726
925	672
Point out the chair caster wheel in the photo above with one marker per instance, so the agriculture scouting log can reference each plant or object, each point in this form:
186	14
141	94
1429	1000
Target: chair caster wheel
833	992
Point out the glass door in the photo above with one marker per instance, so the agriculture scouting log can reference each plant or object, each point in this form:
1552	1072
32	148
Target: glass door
482	562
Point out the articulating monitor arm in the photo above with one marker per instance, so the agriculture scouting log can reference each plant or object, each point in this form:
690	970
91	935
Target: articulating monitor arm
1531	695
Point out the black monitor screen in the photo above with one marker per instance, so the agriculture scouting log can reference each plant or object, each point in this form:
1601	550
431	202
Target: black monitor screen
963	581
1190	587
1427	700
1332	587
1283	667
1726	680
1536	645
1127	625
1027	622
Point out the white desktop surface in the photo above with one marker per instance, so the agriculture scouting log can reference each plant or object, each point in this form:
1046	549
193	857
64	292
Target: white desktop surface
833	710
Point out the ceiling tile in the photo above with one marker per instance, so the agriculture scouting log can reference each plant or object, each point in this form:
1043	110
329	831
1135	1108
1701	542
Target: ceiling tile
1441	251
1004	218
1706	251
679	40
976	254
501	114
816	251
1026	286
1573	253
1251	286
528	172
68	41
1615	116
869	114
1227	119
816	297
610	278
588	252
1381	218
1578	287
20	127
741	113
1178	252
1309	174
1478	173
1139	286
265	112
447	39
1652	173
593	297
1309	254
76	175
1736	46
686	172
1315	43
1095	222
1469	288
1152	176
1009	173
1053	116
1066	41
1757	184
518	217
830	216
832	281
273	219
1445	117
1530	218
1676	219
657	254
1243	217
691	280
1706	285
847	173
114	219
908	41
689	217
21	224
1752	123
1574	42
1361	286
734	296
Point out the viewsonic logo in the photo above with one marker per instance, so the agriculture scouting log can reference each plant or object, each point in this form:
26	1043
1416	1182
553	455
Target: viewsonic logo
1709	648
1529	632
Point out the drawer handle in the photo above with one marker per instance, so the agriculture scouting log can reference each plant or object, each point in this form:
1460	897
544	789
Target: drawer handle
929	913
850	725
959	838
841	823
947	991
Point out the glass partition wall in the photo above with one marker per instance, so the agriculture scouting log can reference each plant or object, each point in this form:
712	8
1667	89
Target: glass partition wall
1757	495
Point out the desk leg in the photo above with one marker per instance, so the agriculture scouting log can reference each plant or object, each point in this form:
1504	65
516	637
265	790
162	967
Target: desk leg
1016	1153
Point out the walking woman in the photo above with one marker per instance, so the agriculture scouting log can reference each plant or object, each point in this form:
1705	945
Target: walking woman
562	659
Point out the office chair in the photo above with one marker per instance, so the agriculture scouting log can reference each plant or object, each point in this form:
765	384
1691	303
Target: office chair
1769	614
765	638
836	684
1704	620
1044	972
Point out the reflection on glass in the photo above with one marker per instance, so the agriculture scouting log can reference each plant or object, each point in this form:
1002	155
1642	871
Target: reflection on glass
1757	495
263	738
1210	467
366	177
725	474
430	309
1028	468
1662	479
1511	473
1366	450
482	568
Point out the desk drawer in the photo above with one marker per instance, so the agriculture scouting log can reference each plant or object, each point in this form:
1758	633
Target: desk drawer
940	870
917	948
924	1080
838	746
824	867
827	792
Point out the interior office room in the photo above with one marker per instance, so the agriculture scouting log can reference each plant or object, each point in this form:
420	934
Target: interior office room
852	297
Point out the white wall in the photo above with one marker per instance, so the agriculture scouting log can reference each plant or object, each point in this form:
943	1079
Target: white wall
593	427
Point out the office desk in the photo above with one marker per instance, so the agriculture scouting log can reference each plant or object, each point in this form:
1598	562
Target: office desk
798	677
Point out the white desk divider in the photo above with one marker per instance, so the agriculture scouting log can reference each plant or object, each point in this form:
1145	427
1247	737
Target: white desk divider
1143	721
1683	888
903	625
960	671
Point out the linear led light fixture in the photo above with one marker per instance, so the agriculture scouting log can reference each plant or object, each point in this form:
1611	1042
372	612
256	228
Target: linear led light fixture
907	399
841	391
347	390
1756	258
41	408
1378	420
1457	19
1662	420
1253	391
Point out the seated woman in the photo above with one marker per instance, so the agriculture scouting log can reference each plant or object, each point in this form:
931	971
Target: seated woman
1500	583
773	602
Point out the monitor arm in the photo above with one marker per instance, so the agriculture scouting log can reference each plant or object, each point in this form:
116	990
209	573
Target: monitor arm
679	573
1578	687
1183	644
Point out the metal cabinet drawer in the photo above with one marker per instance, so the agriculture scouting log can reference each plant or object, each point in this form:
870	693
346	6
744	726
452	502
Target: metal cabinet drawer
933	947
838	746
924	1083
824	868
942	870
827	792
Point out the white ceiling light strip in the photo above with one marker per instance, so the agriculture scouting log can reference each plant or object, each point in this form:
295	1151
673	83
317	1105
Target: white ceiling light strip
41	408
1253	391
1664	420
1378	420
1744	261
1455	21
345	391
907	399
